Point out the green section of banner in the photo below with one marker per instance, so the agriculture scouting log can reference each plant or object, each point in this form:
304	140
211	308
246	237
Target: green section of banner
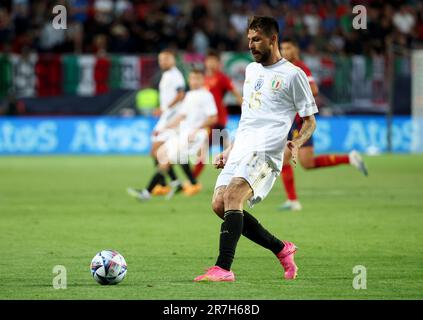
234	58
342	83
369	68
6	77
115	77
71	74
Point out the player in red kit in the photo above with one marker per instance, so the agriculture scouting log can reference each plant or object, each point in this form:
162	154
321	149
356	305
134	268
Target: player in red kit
306	157
218	84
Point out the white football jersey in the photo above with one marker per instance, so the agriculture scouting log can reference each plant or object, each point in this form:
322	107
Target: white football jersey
197	106
171	82
272	95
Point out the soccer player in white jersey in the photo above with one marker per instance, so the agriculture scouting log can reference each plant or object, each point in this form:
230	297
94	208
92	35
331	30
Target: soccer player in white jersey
274	91
198	112
171	93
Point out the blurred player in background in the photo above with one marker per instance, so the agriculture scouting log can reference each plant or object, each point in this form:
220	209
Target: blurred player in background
218	84
197	114
291	52
171	93
274	92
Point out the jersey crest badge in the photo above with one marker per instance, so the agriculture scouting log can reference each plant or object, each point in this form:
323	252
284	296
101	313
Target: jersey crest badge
258	84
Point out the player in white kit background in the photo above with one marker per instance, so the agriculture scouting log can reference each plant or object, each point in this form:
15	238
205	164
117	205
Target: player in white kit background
171	94
274	91
197	114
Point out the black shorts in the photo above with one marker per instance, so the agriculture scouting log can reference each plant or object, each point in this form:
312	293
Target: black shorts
295	130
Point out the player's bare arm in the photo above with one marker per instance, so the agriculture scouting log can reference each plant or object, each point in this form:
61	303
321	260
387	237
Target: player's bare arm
174	123
211	120
208	123
178	98
309	125
314	89
237	95
220	160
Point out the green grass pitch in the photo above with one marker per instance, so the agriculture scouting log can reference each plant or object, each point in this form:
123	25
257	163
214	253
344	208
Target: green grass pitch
63	210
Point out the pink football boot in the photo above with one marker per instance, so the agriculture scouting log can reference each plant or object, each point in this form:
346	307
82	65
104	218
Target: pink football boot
286	258
216	274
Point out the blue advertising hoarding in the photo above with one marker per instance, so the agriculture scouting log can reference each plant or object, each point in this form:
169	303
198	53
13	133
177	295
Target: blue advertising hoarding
113	135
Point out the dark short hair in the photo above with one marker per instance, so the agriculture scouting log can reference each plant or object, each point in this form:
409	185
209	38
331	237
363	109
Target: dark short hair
290	40
213	53
197	70
267	25
169	51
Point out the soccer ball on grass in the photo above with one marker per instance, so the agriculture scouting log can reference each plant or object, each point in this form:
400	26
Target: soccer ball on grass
108	267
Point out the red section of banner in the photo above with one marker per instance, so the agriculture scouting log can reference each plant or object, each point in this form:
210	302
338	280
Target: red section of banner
101	75
48	71
149	68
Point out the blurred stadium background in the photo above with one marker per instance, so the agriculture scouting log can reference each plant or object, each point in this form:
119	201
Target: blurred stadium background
92	90
105	63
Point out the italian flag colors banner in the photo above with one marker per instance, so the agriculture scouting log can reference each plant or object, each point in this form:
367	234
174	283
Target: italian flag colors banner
46	75
88	75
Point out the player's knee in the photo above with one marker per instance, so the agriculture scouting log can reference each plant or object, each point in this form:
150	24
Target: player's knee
307	164
218	207
306	157
163	166
153	152
154	148
231	197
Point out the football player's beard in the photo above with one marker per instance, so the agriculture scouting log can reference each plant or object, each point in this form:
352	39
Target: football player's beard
263	56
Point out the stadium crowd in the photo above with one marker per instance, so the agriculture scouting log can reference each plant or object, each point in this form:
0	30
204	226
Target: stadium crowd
147	26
